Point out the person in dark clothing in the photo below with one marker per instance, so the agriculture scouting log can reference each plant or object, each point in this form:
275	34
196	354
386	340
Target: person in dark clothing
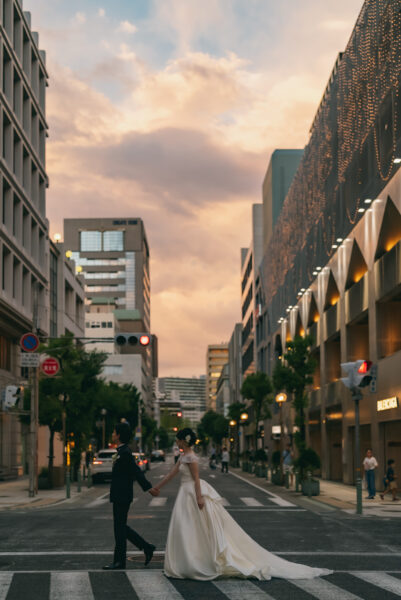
390	480
125	472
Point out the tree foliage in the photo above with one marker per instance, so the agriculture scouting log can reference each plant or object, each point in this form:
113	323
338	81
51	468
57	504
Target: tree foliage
294	376
214	425
257	388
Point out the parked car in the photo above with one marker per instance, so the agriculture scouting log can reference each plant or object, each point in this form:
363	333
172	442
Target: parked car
142	461
157	455
102	464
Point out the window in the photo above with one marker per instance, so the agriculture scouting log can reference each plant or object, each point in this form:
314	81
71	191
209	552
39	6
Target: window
113	370
5	353
113	241
109	324
91	241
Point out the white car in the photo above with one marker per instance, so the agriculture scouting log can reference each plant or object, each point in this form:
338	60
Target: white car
102	464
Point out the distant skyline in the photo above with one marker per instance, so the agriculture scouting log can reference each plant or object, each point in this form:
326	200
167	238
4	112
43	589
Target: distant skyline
169	110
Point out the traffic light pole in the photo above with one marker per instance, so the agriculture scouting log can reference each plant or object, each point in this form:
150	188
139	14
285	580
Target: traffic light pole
356	396
34	412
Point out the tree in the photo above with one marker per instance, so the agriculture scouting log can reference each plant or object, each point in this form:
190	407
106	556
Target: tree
235	410
120	401
214	425
294	376
257	387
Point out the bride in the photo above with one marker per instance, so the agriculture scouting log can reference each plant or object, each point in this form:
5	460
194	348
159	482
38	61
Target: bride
204	542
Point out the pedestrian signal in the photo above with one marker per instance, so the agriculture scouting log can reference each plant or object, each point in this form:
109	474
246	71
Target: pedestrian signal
357	374
13	395
132	339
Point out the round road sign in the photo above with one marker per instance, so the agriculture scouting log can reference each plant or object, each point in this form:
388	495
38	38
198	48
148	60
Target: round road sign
29	342
50	366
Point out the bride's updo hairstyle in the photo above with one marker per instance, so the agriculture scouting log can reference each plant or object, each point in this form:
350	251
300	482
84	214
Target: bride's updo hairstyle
187	435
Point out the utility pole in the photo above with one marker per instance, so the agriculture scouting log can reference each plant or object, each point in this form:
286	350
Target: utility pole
357	396
34	408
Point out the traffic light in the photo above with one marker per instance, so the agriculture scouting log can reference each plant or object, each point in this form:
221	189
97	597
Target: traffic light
13	395
357	374
132	339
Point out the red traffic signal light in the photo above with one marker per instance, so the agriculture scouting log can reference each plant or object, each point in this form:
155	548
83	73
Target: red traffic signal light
144	340
365	367
179	414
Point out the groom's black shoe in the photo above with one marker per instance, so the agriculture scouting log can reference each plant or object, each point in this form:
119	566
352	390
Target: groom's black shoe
114	566
149	553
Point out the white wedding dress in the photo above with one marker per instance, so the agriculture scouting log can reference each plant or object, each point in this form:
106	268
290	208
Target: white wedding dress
207	544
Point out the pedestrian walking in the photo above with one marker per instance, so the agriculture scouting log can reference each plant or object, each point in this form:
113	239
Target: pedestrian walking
288	463
125	471
212	461
176	452
225	457
370	464
390	481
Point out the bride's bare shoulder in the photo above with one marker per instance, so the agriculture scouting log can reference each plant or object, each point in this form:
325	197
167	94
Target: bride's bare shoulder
189	458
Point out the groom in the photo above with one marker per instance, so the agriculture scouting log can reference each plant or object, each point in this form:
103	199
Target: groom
125	472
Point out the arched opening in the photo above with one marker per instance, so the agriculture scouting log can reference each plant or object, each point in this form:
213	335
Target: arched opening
357	266
313	315
332	293
390	230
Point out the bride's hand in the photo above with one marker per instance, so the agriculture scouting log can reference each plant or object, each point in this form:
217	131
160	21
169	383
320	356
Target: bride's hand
201	502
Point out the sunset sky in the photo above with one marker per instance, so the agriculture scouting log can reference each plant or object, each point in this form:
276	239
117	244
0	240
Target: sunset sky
169	110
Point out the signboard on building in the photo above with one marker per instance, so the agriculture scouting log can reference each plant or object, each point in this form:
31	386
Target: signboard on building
387	404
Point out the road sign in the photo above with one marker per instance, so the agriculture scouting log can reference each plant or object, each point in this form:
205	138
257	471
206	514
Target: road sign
30	360
29	342
50	366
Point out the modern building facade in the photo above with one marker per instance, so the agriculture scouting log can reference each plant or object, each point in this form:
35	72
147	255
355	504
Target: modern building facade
332	265
216	358
189	392
24	246
250	260
223	391
235	364
114	256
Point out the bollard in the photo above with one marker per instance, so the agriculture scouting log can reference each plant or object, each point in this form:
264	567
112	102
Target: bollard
79	479
67	483
287	479
89	480
309	484
297	481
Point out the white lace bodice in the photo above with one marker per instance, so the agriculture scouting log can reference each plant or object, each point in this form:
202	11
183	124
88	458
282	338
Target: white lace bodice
185	473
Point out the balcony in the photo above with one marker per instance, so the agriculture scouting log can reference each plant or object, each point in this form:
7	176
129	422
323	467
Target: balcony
388	272
331	321
356	299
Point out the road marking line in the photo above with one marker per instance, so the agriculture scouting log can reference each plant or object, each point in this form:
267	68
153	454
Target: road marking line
259	510
160	501
149	585
238	590
277	499
323	590
161	552
382	580
5	581
101	500
212	476
70	585
251	502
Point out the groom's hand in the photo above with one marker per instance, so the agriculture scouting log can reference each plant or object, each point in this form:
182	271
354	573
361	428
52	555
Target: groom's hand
154	492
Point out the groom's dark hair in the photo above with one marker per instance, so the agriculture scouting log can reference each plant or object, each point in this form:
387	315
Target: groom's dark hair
124	431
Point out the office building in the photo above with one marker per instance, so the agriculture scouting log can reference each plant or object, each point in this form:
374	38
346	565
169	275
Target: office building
332	265
188	392
24	247
235	364
216	358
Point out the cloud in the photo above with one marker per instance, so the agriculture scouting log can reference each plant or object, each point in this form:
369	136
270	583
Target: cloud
101	12
80	18
127	27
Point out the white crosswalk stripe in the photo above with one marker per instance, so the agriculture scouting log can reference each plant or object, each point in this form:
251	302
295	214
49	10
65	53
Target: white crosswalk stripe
382	580
158	501
238	590
324	590
70	585
225	502
149	585
251	502
5	581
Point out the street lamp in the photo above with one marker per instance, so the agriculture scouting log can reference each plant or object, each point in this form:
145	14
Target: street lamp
281	398
233	423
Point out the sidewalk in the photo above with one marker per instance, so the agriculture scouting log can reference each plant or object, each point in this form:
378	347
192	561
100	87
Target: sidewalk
14	495
334	494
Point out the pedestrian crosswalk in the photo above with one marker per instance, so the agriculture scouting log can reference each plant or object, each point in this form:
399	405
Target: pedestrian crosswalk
153	585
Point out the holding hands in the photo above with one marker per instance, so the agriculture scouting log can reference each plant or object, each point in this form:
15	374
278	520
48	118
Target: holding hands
154	491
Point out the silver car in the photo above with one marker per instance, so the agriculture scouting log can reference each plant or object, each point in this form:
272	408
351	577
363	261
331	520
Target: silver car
102	464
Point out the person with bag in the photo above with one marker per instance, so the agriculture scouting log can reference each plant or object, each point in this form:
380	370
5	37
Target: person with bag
390	481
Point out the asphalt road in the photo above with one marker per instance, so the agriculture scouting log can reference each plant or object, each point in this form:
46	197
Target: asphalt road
57	552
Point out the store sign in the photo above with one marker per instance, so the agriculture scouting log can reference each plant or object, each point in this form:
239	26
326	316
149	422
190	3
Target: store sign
387	403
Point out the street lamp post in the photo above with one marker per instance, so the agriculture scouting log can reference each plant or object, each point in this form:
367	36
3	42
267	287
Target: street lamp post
243	421
280	399
233	423
103	412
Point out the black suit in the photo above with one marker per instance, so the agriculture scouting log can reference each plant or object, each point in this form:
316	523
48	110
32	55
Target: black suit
125	472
